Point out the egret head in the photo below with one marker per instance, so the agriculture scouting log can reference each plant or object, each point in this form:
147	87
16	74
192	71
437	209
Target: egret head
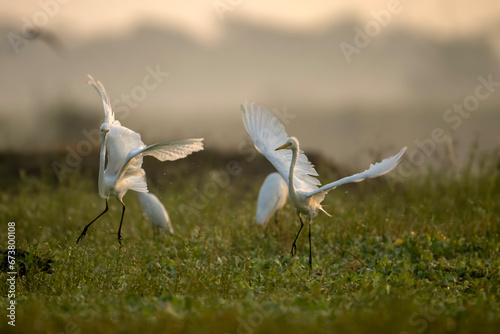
292	144
104	128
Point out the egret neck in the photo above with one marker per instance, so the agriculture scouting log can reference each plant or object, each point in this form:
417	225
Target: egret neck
102	162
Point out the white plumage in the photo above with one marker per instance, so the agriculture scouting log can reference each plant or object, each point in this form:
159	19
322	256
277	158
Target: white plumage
155	212
267	134
304	189
125	151
272	197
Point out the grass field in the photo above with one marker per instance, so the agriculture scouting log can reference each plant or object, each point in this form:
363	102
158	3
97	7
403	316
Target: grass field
420	257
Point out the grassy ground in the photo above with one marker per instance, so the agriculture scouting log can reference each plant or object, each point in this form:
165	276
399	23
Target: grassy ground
422	257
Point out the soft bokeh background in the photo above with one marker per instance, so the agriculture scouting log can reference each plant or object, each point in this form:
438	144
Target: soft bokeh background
284	54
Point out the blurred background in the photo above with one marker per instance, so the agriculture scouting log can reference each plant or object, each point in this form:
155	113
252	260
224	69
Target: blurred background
352	80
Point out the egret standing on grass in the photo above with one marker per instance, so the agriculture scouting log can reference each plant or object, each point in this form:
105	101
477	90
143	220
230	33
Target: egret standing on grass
306	193
272	197
125	151
155	212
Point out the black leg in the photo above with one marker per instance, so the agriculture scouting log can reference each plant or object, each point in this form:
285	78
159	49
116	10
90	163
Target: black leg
276	217
294	246
120	229
310	247
86	227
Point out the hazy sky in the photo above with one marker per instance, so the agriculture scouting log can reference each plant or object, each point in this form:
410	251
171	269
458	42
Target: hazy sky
36	77
84	19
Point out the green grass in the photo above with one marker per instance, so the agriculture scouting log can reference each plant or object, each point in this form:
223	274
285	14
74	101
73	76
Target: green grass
429	251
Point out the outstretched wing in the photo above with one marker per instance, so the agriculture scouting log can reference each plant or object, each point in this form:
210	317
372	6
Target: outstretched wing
378	169
109	116
267	134
175	149
164	151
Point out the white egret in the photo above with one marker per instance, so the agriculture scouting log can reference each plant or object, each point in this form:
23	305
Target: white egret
125	151
272	197
155	212
304	189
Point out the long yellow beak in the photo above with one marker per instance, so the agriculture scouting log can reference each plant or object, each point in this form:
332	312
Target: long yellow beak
287	145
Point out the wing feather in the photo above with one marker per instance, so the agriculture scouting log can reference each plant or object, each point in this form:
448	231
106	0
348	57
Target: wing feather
377	169
120	141
154	211
109	116
164	151
173	150
272	197
267	134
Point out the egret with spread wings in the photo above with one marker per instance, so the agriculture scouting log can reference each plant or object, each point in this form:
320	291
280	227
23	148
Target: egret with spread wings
125	151
304	189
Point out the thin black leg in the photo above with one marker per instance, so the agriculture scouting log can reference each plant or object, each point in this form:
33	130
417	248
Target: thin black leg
276	217
86	227
310	247
294	245
120	229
